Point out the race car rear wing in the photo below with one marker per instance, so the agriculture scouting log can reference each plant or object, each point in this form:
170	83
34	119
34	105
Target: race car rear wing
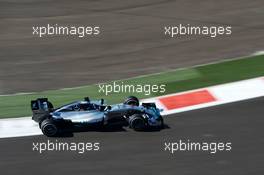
41	109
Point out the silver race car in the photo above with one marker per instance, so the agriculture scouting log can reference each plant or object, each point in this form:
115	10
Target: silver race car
93	115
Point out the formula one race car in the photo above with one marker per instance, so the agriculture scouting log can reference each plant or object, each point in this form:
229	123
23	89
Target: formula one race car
95	115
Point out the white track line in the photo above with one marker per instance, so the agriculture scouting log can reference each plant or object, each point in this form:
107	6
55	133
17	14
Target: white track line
226	93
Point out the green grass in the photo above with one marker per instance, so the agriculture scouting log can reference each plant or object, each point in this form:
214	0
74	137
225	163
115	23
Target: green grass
175	81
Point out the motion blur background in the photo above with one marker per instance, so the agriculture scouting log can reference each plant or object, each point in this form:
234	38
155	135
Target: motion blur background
131	43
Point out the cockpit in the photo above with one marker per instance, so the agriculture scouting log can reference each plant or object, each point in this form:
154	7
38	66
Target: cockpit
81	106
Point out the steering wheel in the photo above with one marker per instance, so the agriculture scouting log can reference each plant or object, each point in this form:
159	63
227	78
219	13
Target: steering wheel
76	107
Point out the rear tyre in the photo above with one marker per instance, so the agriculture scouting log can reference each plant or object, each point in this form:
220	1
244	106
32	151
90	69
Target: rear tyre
137	122
49	128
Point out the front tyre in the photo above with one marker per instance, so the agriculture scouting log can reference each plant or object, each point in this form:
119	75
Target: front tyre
131	100
49	128
137	122
161	123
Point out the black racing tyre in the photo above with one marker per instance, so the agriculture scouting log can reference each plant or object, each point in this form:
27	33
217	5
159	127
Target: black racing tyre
137	122
131	100
49	128
162	123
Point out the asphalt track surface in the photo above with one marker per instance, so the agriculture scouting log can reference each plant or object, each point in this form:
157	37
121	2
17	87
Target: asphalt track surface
132	40
132	43
129	152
